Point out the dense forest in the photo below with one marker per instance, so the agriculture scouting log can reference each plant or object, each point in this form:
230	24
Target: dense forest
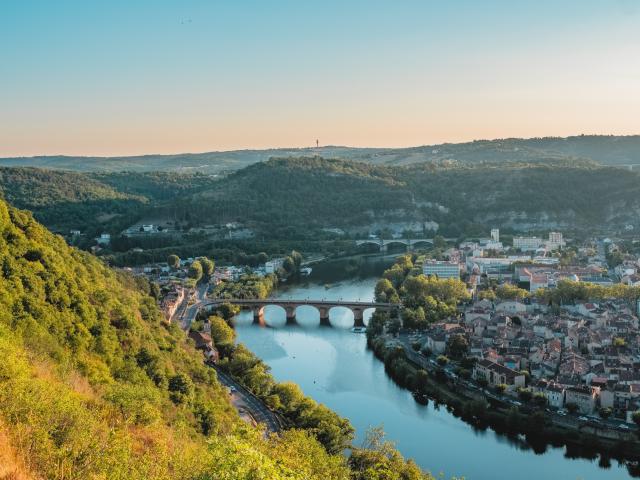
602	149
95	383
293	199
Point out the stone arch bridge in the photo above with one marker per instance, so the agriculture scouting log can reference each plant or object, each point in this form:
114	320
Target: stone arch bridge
409	243
290	306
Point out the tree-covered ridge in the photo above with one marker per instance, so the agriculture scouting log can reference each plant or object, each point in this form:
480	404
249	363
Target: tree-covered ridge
292	198
316	191
602	149
96	384
32	188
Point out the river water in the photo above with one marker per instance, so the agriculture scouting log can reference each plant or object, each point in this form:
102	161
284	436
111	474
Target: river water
333	366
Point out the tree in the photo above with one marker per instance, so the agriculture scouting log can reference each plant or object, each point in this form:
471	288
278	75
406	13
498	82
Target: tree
457	346
195	270
619	342
636	418
393	326
501	388
439	242
173	261
221	332
605	413
228	311
154	290
442	360
540	400
181	388
524	394
289	265
208	266
506	291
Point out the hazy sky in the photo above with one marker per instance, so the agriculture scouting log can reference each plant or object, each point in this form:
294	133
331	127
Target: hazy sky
157	76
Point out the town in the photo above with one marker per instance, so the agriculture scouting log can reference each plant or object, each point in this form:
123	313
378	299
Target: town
579	355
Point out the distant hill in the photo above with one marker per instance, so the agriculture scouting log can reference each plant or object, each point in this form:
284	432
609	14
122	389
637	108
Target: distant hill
601	149
316	192
294	197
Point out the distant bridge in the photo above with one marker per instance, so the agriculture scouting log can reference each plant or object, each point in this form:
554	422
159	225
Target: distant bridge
409	243
323	306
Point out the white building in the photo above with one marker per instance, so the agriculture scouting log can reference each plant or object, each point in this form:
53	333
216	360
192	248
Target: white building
495	234
441	269
104	239
555	241
272	266
527	243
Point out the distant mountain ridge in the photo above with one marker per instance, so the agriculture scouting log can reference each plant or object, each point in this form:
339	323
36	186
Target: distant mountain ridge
601	149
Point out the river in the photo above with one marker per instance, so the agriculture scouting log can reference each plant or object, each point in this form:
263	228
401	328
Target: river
333	366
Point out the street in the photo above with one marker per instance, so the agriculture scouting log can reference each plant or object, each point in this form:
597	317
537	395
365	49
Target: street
243	399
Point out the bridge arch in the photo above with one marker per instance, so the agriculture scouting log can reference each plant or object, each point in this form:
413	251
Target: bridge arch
307	315
367	314
341	316
421	243
394	244
273	315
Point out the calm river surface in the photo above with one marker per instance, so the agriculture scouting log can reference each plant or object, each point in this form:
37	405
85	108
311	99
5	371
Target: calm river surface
333	366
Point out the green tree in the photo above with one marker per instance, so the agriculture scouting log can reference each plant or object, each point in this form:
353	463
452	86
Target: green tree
195	270
457	346
221	332
208	267
173	261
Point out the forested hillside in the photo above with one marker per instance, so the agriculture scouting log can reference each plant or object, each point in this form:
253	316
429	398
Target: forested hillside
289	198
95	384
64	200
315	191
602	149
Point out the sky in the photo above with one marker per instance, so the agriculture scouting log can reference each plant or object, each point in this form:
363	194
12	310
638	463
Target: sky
157	76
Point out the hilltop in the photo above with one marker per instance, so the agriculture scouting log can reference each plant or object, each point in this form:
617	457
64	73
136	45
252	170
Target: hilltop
601	149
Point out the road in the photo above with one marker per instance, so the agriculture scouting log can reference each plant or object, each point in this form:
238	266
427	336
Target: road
188	312
243	399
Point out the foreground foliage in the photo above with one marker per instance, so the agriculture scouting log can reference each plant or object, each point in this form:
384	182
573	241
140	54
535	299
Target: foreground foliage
95	384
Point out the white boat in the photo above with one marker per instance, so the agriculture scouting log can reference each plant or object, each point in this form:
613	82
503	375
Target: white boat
359	329
306	271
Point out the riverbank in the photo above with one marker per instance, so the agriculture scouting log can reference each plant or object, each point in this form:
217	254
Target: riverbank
430	381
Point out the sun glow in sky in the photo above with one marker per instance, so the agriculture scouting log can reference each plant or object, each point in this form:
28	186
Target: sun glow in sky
159	76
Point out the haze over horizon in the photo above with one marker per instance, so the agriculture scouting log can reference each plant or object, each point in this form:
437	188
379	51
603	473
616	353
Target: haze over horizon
159	78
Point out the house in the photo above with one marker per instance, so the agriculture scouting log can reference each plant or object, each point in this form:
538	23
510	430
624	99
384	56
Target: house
583	396
555	395
203	342
496	374
104	239
436	342
511	307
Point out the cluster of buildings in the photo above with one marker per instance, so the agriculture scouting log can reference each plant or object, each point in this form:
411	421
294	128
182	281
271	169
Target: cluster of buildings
586	354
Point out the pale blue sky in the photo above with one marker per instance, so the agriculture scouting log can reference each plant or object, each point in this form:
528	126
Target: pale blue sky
128	77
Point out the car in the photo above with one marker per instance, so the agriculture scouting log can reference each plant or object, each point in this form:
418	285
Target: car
233	389
561	413
583	418
623	426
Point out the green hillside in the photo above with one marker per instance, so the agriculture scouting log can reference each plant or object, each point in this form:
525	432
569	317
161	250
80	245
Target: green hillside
311	192
95	384
64	200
